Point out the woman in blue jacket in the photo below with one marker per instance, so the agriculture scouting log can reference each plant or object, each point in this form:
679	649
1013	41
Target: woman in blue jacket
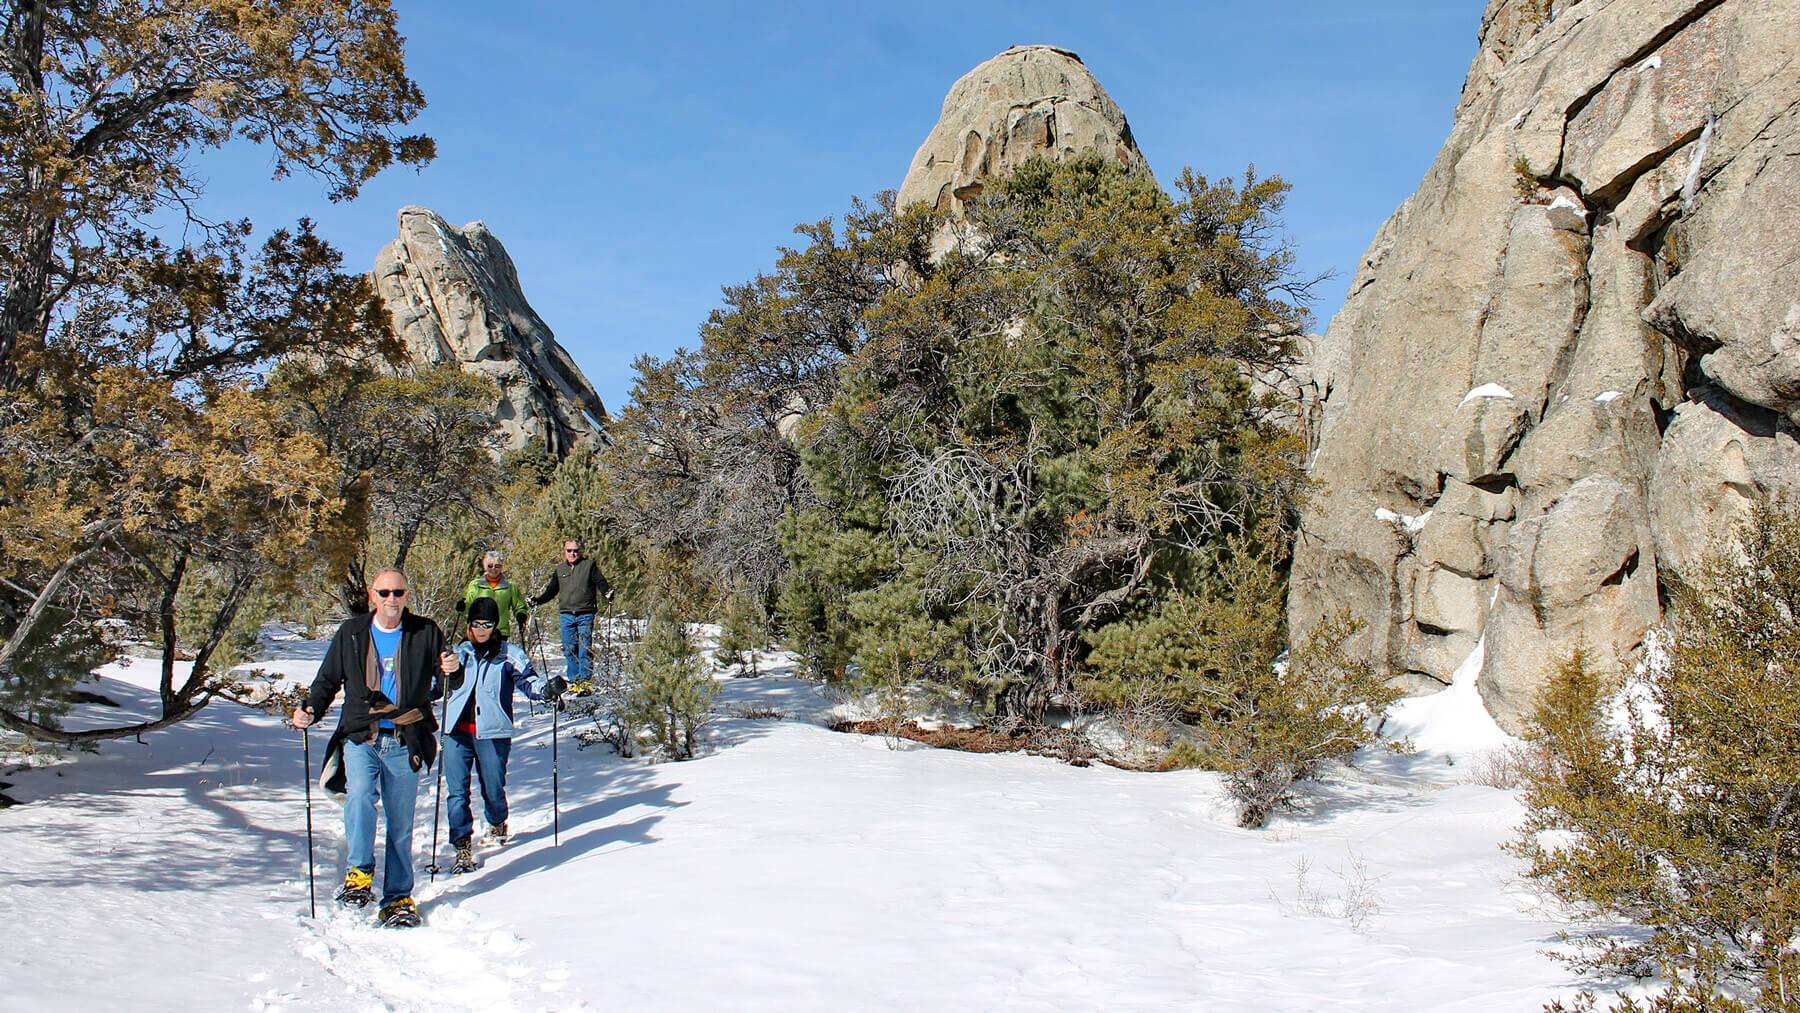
480	733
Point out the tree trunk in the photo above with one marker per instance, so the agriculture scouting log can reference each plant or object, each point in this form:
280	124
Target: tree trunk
1029	698
221	626
50	733
102	533
24	312
171	586
355	589
408	535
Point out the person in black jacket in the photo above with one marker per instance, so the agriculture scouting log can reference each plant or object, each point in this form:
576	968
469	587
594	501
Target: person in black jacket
577	586
387	663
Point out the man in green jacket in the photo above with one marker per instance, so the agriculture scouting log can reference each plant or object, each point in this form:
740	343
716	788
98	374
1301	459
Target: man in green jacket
494	584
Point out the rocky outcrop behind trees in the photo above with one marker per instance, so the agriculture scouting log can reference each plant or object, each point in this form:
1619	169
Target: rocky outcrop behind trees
1568	361
1028	101
455	297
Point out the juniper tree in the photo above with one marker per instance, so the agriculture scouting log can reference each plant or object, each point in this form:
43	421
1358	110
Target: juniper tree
107	103
1670	796
416	449
707	454
1214	658
1006	445
148	459
130	368
1059	415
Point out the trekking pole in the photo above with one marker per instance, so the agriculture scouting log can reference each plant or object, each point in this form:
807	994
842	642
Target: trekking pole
555	776
537	637
605	645
438	806
312	890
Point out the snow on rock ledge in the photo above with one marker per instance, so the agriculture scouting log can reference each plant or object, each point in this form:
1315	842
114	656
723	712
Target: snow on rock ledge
1485	390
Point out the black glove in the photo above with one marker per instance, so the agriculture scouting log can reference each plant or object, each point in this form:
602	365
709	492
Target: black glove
519	620
461	606
556	687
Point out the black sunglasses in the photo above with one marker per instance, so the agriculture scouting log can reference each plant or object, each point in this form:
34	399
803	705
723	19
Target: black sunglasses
397	592
481	624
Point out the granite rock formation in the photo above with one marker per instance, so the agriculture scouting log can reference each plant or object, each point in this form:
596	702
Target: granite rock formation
1568	361
1029	100
455	297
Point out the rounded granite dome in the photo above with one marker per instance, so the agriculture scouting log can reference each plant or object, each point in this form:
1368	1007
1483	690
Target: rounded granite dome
1029	100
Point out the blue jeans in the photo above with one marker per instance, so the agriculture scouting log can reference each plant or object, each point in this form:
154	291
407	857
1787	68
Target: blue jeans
381	772
489	758
577	637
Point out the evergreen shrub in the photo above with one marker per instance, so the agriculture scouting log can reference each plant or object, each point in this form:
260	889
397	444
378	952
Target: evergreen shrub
1669	796
671	696
1266	725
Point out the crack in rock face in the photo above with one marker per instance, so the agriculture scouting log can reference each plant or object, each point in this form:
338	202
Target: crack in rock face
1609	236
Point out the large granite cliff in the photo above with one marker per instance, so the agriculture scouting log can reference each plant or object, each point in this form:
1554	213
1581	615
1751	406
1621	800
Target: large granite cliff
1569	359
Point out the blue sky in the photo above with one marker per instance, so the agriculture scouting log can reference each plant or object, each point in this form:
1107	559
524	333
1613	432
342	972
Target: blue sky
635	157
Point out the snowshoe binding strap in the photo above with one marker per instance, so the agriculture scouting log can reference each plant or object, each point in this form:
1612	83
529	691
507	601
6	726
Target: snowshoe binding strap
358	889
401	914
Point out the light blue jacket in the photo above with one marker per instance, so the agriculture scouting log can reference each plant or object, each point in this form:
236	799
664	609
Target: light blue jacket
491	682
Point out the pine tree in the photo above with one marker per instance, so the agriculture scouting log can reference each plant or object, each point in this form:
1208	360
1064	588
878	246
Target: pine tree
671	695
739	635
40	680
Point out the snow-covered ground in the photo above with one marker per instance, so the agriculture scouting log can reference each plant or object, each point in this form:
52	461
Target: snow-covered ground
791	868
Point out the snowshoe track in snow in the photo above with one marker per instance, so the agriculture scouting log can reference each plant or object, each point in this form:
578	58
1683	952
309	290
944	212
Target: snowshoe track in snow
455	961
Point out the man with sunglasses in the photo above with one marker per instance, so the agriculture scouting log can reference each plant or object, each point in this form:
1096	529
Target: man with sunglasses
387	663
578	587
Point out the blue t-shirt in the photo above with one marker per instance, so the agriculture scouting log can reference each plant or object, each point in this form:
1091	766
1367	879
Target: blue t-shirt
387	648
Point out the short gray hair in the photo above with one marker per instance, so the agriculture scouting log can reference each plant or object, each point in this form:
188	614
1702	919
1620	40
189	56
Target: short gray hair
384	571
493	556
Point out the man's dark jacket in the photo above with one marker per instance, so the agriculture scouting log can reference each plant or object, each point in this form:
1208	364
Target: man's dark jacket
574	586
415	682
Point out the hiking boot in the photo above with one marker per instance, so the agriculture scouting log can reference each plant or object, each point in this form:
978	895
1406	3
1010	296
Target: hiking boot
465	857
496	835
400	914
358	889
